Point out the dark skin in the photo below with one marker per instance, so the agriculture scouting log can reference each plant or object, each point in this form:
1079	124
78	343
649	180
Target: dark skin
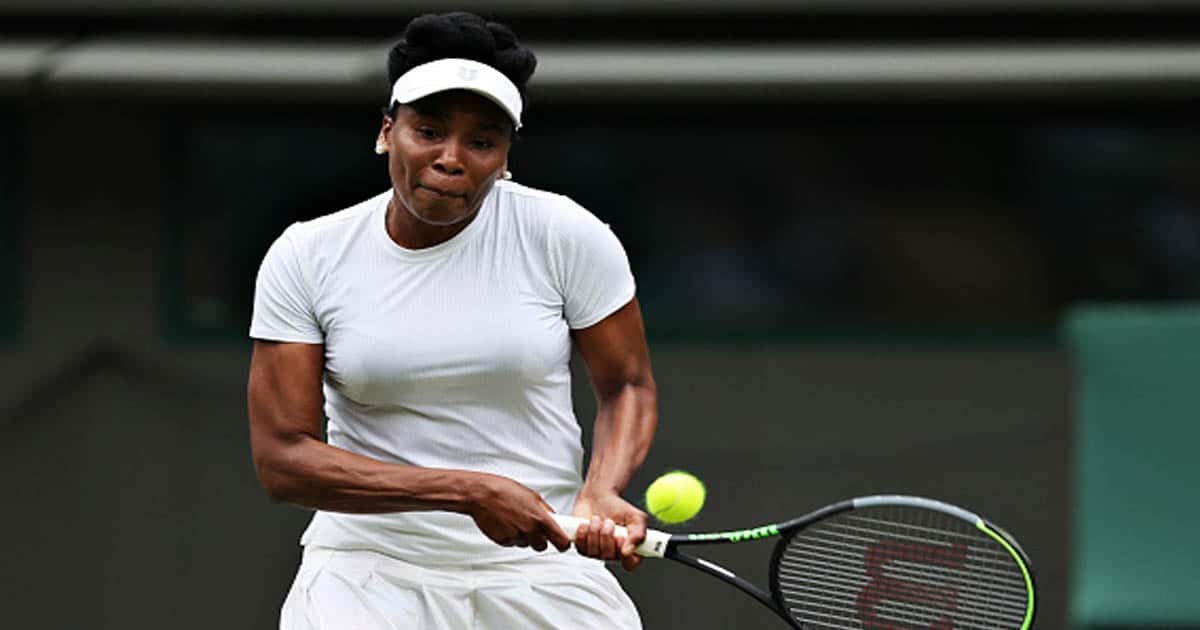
444	154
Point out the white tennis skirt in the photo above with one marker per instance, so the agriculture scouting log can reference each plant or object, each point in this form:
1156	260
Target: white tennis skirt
365	590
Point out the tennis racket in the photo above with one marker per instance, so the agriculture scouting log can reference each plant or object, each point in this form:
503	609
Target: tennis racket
879	563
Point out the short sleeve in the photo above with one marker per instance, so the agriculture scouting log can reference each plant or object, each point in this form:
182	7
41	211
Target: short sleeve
283	307
590	265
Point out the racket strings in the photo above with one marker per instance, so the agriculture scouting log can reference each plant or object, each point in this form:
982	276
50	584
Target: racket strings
899	567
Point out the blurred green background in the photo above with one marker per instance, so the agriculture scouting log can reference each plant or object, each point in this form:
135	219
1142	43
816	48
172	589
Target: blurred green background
942	248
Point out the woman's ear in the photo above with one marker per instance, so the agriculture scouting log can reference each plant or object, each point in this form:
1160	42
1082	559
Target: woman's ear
381	141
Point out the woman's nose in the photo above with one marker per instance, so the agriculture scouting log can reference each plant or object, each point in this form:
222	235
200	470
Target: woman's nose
448	162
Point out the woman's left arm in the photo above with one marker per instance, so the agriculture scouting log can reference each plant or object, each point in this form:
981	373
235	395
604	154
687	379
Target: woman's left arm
618	361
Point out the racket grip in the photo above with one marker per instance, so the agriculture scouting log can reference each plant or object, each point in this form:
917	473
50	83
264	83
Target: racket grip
654	546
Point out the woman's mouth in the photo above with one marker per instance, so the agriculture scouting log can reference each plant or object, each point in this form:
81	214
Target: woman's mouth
441	193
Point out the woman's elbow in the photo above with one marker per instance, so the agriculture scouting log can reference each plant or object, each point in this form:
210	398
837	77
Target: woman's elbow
274	478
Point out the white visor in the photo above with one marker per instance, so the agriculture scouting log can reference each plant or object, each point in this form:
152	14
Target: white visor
459	74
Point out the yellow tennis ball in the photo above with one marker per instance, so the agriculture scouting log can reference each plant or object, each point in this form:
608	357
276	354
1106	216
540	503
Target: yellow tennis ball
675	497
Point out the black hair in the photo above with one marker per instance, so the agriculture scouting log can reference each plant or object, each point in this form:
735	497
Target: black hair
465	36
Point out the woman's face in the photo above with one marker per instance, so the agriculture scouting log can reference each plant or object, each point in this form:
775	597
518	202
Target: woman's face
444	153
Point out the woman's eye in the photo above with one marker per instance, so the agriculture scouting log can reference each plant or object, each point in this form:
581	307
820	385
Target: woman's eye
428	133
483	144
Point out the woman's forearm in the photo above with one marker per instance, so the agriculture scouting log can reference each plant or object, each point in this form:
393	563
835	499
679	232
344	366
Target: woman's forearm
296	466
626	421
304	471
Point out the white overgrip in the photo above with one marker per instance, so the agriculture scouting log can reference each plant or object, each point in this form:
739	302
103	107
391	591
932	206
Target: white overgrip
654	546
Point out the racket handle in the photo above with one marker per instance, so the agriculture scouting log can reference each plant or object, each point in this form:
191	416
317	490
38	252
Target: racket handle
654	546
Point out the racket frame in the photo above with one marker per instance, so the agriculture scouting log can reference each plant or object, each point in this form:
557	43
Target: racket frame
666	545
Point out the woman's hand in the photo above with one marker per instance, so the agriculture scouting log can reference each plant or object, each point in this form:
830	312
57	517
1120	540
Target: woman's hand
512	515
605	511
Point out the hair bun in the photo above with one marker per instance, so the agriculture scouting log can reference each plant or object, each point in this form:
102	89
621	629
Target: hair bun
451	35
510	54
505	38
463	35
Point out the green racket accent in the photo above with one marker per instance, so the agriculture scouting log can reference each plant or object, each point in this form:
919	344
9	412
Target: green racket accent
1024	570
739	535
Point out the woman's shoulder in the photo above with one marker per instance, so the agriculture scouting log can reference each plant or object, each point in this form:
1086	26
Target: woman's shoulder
528	197
335	224
566	230
541	206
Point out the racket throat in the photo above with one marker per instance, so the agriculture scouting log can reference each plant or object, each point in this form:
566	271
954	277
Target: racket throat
727	576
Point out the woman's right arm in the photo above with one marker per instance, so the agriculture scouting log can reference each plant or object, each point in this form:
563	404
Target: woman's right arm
296	466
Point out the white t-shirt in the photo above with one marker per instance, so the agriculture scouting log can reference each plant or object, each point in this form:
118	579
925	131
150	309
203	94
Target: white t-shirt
452	356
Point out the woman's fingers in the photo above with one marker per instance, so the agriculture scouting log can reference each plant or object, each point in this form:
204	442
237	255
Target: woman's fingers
555	534
595	539
592	545
608	542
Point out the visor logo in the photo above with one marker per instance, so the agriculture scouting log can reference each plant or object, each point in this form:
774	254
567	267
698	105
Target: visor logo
467	74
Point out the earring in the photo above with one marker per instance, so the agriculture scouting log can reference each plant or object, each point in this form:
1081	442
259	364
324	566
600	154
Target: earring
507	175
380	149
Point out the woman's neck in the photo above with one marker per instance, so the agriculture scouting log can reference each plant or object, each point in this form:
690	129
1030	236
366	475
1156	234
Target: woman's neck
410	232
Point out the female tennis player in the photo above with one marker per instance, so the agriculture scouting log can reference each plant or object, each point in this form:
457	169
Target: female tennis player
432	326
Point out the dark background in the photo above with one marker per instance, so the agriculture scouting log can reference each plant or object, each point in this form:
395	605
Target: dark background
854	277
